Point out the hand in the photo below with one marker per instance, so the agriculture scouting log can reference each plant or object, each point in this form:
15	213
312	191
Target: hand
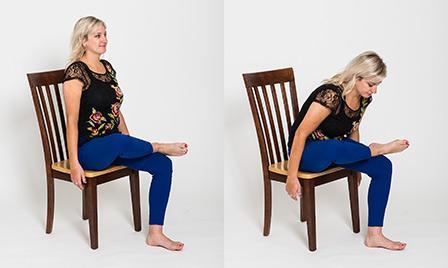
293	188
77	176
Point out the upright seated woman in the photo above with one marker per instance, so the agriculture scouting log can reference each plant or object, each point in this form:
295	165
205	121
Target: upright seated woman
97	135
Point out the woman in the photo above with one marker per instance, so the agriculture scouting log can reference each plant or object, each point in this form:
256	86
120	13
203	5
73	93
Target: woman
326	133
97	135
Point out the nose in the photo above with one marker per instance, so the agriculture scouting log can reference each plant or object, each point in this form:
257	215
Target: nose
374	89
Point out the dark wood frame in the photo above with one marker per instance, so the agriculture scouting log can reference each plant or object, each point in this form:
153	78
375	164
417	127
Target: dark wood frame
45	91
276	151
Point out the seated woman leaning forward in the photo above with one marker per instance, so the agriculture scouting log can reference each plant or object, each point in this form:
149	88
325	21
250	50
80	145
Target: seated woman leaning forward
326	133
97	135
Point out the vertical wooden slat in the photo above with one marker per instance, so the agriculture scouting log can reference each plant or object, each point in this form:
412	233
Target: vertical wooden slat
285	104
271	123
62	118
55	123
47	123
265	127
279	122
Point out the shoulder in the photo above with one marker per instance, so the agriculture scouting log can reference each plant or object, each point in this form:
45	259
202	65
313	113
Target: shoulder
329	96
77	70
77	65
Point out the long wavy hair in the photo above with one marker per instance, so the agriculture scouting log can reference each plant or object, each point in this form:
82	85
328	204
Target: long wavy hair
366	65
82	28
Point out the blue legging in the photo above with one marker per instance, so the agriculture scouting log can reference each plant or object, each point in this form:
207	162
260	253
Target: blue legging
319	155
137	154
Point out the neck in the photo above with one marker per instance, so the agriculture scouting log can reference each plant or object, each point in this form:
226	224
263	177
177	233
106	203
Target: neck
353	95
91	58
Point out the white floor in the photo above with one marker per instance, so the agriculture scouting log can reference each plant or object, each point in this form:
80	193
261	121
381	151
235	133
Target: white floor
337	246
25	243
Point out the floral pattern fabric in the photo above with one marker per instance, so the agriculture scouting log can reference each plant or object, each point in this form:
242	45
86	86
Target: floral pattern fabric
101	100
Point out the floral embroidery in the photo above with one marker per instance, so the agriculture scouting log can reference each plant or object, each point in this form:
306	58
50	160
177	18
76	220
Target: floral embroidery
118	92
96	120
319	135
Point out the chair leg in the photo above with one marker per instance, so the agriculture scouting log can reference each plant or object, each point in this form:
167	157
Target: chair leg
267	206
308	191
354	205
50	204
302	207
84	205
91	188
135	198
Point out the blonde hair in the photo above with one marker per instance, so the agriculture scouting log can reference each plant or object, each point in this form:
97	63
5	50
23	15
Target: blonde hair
366	65
82	28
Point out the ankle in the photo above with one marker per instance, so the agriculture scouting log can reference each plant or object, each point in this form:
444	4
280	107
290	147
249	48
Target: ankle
155	230
155	147
374	231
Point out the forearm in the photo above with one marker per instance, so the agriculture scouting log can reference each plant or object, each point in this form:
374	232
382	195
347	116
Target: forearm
72	143
295	156
122	126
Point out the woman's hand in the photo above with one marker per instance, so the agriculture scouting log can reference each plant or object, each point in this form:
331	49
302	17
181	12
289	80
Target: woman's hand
293	188
77	175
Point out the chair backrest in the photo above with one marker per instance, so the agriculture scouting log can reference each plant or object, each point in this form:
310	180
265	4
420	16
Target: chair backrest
272	131
46	90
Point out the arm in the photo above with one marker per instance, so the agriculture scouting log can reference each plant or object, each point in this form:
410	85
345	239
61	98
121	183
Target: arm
314	116
122	126
72	99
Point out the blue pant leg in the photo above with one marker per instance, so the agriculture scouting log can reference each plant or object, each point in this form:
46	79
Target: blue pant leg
319	155
160	166
99	153
379	169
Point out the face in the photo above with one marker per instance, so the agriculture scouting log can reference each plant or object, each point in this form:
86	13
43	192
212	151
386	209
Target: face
367	86
96	41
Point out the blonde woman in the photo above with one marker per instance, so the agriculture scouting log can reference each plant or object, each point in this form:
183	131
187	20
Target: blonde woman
326	133
97	135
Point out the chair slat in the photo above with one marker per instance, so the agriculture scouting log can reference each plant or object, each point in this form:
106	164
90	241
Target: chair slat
54	123
279	123
62	118
271	123
47	123
285	104
265	127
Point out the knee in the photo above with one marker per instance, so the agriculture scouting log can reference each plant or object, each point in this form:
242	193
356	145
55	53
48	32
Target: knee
164	164
383	166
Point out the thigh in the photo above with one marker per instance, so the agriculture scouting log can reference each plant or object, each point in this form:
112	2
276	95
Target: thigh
99	153
319	155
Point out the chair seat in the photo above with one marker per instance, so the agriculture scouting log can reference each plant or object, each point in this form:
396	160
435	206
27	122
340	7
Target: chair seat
64	166
282	168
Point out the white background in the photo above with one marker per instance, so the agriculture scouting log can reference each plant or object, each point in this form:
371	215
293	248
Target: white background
168	58
318	38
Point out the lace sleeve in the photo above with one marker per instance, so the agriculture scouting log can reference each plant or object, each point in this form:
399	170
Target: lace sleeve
329	98
76	71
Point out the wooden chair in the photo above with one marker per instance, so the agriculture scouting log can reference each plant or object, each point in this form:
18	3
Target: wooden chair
272	136
50	116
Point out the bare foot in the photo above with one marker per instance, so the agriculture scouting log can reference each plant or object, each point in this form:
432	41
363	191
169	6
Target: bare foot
160	240
172	149
388	148
380	241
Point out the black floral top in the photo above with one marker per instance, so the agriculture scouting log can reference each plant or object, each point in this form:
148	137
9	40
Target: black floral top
100	100
340	123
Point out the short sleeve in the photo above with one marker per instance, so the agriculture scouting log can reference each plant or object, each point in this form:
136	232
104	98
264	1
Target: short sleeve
76	70
329	98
